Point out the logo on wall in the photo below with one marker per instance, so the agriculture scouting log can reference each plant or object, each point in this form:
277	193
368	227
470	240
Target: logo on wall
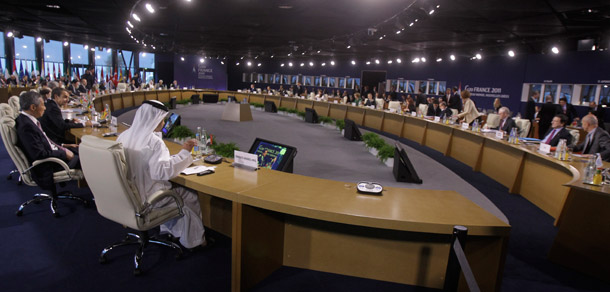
491	92
203	72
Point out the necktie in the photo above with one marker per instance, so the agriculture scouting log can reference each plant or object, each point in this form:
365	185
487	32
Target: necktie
502	124
587	144
51	143
550	137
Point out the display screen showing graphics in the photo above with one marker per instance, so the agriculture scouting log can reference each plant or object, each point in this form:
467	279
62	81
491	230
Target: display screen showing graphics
272	155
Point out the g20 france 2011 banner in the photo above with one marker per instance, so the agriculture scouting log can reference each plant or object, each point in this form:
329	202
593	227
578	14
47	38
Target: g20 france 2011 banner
491	92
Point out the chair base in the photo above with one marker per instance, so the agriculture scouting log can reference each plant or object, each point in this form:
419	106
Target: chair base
10	176
142	240
53	204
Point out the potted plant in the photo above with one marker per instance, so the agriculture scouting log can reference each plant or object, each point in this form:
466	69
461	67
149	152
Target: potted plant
326	122
292	112
225	149
386	154
301	114
373	142
282	110
180	133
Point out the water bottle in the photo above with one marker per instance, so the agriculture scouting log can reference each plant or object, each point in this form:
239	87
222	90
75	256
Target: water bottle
108	116
196	149
203	141
474	125
511	137
589	170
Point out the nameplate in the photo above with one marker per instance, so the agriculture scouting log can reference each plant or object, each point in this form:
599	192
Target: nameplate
500	134
544	148
246	159
336	101
413	114
437	119
465	126
113	121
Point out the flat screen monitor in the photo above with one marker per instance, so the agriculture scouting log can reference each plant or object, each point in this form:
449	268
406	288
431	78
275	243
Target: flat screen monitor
311	116
172	121
351	131
403	169
273	155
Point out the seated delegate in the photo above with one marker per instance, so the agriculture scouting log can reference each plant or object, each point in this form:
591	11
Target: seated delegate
506	122
596	141
434	110
52	121
557	131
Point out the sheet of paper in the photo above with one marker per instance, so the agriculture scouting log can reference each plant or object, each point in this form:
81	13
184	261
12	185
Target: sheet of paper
197	169
465	126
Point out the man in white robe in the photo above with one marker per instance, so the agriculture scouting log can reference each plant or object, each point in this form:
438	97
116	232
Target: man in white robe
151	167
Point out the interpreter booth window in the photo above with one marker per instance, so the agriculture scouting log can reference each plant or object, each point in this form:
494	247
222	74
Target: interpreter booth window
350	83
79	55
432	87
392	84
260	78
356	82
25	56
422	86
536	88
341	82
286	79
2	52
277	78
308	81
332	82
551	90
295	79
566	91
53	59
147	67
103	64
126	64
587	93
411	87
324	81
244	77
317	81
604	95
442	87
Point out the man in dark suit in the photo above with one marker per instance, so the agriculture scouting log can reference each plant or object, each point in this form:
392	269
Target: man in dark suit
530	107
393	96
455	102
299	89
547	111
557	131
421	98
506	122
34	143
599	112
52	121
597	140
434	110
445	111
567	109
73	88
89	77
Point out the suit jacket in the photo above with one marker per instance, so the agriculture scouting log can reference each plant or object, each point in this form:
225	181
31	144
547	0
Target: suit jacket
82	89
432	112
421	99
570	112
547	112
455	102
562	134
33	143
600	143
508	125
73	90
530	109
446	113
54	125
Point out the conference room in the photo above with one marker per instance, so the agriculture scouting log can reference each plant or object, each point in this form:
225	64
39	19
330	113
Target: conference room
291	145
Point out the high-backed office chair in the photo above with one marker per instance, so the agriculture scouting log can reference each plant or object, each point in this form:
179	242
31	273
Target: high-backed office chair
394	105
454	112
121	87
524	127
379	102
117	198
575	137
9	137
493	120
13	102
423	109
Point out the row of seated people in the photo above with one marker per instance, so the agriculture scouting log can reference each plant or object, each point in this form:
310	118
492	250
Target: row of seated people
41	133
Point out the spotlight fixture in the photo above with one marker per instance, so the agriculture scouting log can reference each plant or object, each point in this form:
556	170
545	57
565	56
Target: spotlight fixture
310	64
398	31
511	53
149	8
182	59
431	11
423	59
289	64
282	65
381	37
438	6
376	61
237	64
128	30
92	49
411	24
416	60
398	60
318	51
323	64
10	34
302	64
259	64
272	56
129	23
349	46
368	62
452	57
39	39
303	53
439	60
353	62
249	64
478	56
222	62
389	61
555	50
332	63
66	44
136	17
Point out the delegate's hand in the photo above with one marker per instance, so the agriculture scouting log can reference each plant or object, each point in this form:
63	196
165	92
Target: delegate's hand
69	155
71	145
189	144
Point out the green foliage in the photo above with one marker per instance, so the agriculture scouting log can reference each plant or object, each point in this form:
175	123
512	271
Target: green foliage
225	149
325	120
256	104
181	132
166	104
223	99
292	111
301	114
386	151
282	109
340	124
183	101
372	140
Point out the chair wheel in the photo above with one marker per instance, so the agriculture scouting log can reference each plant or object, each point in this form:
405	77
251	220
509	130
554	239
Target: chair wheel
103	260
137	272
19	183
19	213
56	215
86	204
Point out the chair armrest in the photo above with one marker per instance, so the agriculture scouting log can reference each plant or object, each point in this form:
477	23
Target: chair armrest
160	195
50	159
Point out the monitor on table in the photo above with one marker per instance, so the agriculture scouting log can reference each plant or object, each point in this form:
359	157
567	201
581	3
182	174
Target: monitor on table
273	155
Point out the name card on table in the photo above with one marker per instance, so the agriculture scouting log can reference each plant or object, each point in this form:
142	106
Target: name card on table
544	148
437	119
245	160
500	135
113	121
413	114
336	101
464	126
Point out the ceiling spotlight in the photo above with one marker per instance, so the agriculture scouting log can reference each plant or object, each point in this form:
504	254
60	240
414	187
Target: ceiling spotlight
349	46
303	53
237	64
398	60
416	60
9	34
398	31
318	51
222	62
282	65
439	59
555	50
431	11
135	16
416	20
478	56
323	64
66	44
259	64
368	62
310	64
438	6
381	37
593	48
129	23
423	59
256	57
353	62
389	61
86	47
182	59
249	64
332	63
272	56
411	24
376	61
150	8
302	64
128	30
289	54
452	57
289	64
39	39
511	53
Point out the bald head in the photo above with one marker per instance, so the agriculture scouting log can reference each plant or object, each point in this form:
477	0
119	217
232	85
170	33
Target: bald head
589	123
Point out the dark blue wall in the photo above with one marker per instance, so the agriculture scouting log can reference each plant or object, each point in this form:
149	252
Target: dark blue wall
191	72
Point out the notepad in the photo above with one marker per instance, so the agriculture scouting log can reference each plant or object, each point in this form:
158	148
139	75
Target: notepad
197	169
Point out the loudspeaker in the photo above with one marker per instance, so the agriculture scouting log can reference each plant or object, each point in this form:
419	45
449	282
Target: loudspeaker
172	102
403	170
311	116
270	107
195	99
351	131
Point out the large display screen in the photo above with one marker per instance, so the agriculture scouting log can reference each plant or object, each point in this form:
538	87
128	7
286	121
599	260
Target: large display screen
272	155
